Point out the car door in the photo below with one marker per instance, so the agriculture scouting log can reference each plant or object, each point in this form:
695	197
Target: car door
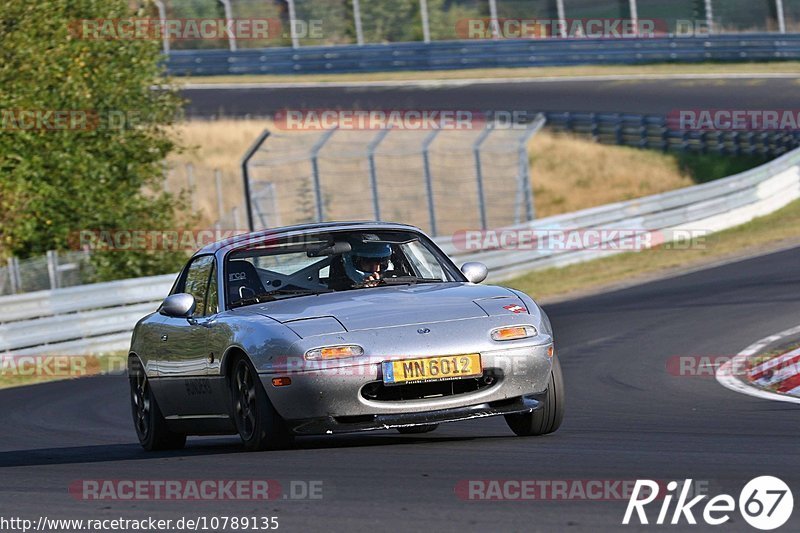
183	363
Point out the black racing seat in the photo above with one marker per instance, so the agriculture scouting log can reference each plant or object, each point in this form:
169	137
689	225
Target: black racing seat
338	280
243	281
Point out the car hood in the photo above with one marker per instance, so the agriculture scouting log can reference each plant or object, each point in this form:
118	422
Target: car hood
382	307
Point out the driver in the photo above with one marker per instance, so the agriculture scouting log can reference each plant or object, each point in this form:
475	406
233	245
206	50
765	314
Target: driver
366	262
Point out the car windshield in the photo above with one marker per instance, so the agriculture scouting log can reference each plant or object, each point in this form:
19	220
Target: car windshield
330	262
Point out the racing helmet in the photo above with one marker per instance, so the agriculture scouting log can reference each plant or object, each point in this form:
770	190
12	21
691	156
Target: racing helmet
363	254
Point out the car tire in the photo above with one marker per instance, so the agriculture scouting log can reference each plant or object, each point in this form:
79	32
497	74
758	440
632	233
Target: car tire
416	430
548	418
258	423
149	423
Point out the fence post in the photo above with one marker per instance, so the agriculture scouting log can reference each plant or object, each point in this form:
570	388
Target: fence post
315	181
618	129
293	24
162	14
644	133
524	172
426	167
426	26
52	268
493	15
236	221
373	174
190	183
255	147
780	15
357	22
276	219
218	183
634	14
476	150
709	9
562	16
13	275
226	4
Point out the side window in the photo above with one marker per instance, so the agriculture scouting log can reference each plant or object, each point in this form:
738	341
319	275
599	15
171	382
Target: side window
197	282
212	300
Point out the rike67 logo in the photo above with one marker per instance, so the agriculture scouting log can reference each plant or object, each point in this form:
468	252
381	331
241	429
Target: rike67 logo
765	503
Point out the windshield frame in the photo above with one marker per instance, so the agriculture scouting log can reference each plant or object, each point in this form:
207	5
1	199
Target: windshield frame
225	256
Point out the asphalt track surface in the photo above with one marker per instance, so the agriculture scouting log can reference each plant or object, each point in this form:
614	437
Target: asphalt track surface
658	97
627	418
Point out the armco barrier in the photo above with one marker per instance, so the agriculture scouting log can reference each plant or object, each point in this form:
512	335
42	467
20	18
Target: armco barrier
448	55
77	320
710	207
100	317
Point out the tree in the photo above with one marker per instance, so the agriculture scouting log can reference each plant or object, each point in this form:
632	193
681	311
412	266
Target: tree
100	168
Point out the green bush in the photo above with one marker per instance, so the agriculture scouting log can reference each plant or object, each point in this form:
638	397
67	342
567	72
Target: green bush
709	167
107	173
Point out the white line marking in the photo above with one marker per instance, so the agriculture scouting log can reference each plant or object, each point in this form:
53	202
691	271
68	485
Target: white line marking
727	379
434	83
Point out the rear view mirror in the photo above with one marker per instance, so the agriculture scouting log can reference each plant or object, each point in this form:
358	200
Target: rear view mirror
179	305
336	248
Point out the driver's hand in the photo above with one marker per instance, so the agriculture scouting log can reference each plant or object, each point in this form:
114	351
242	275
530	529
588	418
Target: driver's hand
372	280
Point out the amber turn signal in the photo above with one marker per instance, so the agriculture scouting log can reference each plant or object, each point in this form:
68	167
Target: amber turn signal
513	332
334	352
281	382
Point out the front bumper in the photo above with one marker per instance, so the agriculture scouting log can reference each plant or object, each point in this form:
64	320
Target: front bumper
331	399
333	425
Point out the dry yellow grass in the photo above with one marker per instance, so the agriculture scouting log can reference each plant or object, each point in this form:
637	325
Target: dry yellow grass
568	173
571	173
211	145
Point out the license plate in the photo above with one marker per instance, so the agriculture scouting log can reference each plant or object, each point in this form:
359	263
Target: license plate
431	369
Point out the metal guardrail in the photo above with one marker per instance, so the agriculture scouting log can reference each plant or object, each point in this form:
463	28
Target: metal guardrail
448	55
709	207
100	317
77	320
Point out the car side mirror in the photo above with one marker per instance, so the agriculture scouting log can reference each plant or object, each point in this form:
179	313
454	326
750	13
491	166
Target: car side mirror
179	305
474	272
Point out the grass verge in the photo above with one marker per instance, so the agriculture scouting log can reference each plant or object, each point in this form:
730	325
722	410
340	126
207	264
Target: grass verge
523	73
16	371
762	234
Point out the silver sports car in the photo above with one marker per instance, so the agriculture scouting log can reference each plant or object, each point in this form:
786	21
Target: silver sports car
338	327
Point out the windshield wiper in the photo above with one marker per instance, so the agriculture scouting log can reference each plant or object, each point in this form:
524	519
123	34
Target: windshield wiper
272	296
409	280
